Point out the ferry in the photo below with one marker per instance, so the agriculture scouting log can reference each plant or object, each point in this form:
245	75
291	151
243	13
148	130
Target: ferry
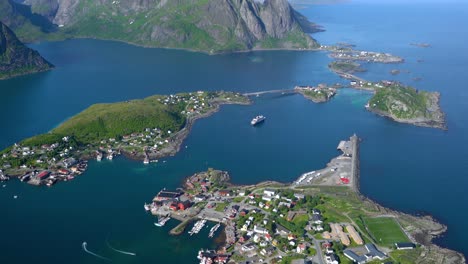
257	120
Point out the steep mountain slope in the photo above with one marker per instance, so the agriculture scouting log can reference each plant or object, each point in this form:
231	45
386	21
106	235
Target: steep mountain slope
17	59
204	25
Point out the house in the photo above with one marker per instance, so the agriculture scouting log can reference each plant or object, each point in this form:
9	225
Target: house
267	251
43	175
184	205
282	230
267	198
248	247
354	257
260	230
316	211
269	192
199	198
225	193
301	248
291	237
404	245
291	215
167	195
318	228
375	252
242	193
288	205
299	196
317	219
331	259
174	206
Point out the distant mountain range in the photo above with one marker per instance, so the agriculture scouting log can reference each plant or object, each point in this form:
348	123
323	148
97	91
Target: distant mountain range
203	25
17	59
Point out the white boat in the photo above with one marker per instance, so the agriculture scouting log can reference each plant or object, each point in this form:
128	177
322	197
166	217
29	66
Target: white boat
213	229
257	120
162	221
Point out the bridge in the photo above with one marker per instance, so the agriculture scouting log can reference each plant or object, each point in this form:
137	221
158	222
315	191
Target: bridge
284	91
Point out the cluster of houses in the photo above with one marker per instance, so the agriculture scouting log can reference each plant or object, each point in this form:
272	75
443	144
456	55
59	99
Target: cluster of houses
368	56
174	200
322	91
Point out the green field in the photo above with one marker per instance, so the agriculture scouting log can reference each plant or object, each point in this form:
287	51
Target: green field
385	231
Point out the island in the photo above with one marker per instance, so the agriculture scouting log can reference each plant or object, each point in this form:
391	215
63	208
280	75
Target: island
145	129
317	94
407	105
16	59
400	103
320	217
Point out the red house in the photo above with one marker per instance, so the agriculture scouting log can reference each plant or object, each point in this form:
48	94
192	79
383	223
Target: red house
184	205
43	175
174	207
344	180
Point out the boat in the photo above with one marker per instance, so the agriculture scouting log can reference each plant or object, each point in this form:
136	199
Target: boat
146	161
147	207
99	157
162	221
110	156
213	230
257	120
197	227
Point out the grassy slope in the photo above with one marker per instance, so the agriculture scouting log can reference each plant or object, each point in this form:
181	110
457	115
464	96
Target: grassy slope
401	102
103	121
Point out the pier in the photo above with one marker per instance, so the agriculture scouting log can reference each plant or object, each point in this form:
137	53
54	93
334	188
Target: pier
355	162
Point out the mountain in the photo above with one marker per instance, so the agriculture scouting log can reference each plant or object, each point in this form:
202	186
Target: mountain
202	25
17	59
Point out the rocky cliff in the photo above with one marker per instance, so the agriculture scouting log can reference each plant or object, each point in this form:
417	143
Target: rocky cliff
17	59
204	25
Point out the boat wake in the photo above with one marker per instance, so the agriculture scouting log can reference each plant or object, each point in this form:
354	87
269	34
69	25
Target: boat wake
120	251
92	253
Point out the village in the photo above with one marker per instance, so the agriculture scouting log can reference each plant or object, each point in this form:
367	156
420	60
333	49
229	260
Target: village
318	94
50	159
272	222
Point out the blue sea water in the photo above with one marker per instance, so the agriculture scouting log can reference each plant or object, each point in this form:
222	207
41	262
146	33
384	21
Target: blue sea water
403	167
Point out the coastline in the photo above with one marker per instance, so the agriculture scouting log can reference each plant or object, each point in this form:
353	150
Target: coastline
420	230
181	135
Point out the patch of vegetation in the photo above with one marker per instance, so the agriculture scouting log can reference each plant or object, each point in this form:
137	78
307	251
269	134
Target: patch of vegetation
401	102
346	66
406	256
385	230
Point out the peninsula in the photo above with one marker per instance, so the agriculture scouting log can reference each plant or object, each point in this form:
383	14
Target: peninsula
15	58
145	129
320	217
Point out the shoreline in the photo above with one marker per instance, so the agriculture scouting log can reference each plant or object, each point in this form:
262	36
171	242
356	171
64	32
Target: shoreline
419	229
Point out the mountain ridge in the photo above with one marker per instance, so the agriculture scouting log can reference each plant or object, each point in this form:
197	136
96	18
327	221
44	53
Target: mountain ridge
15	58
210	26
